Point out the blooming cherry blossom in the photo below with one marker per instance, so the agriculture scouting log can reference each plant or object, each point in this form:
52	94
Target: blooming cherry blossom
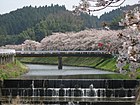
87	6
130	48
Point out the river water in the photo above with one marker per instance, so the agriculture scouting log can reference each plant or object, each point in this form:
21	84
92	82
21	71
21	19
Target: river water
38	71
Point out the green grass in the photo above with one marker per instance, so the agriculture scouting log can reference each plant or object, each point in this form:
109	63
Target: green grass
82	61
12	70
108	64
74	61
41	60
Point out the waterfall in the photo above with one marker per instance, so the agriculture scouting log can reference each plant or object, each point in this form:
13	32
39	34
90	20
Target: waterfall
33	89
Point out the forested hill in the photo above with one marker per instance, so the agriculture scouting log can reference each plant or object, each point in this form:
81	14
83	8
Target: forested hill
37	22
21	19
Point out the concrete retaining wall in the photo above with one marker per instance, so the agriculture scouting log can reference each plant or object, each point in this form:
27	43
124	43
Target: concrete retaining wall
7	56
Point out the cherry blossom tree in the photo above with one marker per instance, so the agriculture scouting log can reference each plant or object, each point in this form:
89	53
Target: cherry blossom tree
26	45
31	45
129	44
129	48
89	6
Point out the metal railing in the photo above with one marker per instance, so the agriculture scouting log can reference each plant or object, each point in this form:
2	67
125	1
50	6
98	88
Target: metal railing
62	52
7	51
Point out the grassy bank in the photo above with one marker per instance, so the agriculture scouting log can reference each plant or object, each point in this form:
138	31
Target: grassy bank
94	62
12	70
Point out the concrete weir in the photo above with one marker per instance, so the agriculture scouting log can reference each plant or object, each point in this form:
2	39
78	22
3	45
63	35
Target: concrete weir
70	92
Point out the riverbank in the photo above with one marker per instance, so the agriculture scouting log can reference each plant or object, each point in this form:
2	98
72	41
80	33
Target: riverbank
93	62
71	61
12	70
107	64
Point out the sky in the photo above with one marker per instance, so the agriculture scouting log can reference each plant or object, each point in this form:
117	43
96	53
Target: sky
10	5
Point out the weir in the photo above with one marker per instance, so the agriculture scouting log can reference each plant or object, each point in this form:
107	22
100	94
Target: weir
71	92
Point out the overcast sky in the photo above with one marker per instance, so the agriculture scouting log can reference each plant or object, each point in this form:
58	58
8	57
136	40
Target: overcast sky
9	5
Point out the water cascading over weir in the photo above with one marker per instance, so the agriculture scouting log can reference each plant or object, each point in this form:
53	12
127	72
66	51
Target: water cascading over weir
70	92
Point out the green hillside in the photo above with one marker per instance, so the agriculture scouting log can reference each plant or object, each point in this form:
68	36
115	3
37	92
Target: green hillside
36	23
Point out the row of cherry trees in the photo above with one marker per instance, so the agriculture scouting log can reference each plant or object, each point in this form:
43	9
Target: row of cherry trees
85	40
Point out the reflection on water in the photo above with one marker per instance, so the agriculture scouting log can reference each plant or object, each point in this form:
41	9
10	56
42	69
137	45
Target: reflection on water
51	71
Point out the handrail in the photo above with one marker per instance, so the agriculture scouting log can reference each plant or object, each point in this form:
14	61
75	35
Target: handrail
58	52
7	51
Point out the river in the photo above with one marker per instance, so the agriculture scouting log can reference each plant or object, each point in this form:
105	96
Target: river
38	71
